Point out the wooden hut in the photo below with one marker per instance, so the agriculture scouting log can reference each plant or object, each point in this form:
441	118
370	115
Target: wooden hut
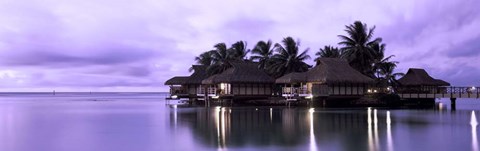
178	88
194	82
188	87
331	77
243	79
418	80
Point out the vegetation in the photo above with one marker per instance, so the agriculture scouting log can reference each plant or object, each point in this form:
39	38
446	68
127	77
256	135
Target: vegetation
204	59
328	52
221	59
239	50
288	59
358	46
262	53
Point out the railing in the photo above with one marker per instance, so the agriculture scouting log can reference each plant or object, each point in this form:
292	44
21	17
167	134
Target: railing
439	92
295	90
200	90
212	90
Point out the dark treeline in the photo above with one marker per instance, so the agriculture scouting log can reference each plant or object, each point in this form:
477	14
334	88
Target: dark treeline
358	46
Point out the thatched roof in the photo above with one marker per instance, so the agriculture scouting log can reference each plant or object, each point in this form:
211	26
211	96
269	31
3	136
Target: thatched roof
176	80
199	73
240	72
329	70
294	77
420	77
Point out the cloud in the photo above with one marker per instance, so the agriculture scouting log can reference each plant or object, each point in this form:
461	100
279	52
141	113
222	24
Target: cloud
59	58
110	44
469	48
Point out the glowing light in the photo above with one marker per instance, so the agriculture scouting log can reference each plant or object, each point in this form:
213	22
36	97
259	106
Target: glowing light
215	97
473	88
174	96
375	129
473	119
388	118
174	106
374	91
256	109
440	106
371	145
369	91
222	86
389	133
309	97
217	125
474	123
313	143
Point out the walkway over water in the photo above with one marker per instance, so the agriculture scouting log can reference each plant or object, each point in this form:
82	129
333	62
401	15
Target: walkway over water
441	92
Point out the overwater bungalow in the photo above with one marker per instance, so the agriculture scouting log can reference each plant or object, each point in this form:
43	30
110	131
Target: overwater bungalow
418	80
188	87
177	87
242	80
332	77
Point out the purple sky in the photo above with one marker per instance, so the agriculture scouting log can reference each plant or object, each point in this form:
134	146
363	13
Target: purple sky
135	45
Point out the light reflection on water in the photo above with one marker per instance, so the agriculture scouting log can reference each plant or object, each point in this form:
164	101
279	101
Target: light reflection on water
313	143
474	123
389	132
149	125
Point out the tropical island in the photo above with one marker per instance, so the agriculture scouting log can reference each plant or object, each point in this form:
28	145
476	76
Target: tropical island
357	73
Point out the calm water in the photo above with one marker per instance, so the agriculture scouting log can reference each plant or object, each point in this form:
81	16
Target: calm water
142	122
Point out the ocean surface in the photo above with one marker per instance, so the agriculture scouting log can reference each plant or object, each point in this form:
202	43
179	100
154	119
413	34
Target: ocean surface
143	122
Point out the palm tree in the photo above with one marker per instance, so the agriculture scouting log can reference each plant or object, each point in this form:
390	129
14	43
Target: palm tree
221	58
239	50
386	72
287	58
378	50
380	61
357	47
262	53
328	52
204	58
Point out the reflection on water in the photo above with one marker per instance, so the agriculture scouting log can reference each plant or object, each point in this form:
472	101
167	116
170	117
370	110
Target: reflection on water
149	125
389	133
375	130
371	145
474	123
174	116
264	127
313	143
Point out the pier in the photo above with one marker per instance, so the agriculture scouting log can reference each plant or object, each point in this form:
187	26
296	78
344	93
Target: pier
451	92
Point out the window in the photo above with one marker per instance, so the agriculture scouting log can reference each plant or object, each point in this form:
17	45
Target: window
225	88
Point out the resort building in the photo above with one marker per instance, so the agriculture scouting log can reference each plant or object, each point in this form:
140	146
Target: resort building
332	77
177	87
242	80
188	87
419	81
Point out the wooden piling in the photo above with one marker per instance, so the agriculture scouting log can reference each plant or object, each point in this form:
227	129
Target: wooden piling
453	103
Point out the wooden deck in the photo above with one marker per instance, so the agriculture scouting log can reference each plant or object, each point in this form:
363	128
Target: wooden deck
444	92
442	95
